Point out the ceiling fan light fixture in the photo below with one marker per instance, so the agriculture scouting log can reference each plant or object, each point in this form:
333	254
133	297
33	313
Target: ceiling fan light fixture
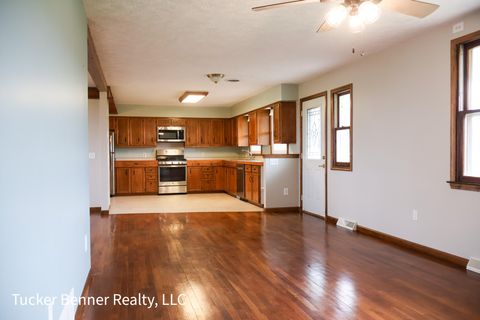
356	24
215	77
336	16
369	12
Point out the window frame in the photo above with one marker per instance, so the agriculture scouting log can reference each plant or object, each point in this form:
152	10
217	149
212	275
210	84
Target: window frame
457	126
335	94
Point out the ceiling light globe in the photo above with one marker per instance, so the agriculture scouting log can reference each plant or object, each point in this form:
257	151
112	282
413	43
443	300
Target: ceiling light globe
336	16
369	12
356	24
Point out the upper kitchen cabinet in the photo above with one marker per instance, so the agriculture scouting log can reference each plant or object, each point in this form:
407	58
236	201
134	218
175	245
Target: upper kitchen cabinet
285	122
205	133
122	131
242	131
135	132
191	134
263	127
218	132
252	129
259	127
136	127
150	132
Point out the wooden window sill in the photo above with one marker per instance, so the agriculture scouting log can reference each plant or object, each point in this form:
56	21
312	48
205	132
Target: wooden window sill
464	186
342	168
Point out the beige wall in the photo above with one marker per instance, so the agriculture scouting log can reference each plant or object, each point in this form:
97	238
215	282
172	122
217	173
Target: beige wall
401	145
99	167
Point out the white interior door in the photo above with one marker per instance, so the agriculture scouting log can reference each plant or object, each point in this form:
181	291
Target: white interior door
314	155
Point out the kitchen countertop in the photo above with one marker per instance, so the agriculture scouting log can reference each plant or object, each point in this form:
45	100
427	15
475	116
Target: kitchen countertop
237	160
135	159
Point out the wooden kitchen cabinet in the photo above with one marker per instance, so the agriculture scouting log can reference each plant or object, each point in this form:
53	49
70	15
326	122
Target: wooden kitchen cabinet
217	132
252	183
252	129
137	180
191	138
122	132
122	180
242	131
136	177
135	132
150	132
263	127
136	127
284	122
112	124
205	134
194	179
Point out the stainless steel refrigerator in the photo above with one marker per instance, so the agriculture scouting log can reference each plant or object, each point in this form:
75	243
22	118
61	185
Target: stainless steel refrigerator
111	148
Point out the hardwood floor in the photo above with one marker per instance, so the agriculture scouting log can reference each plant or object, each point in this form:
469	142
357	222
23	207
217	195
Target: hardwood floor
266	266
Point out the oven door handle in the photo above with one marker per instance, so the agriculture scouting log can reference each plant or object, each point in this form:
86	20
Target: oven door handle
174	166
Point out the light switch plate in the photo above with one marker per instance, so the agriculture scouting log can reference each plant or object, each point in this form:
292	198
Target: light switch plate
91	155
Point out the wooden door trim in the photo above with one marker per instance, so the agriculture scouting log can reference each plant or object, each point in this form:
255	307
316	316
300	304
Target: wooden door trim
323	94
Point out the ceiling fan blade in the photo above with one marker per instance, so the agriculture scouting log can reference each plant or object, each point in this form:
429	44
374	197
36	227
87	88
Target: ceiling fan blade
412	8
283	4
324	27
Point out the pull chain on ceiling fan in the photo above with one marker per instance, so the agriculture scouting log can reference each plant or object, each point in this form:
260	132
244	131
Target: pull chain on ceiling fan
360	12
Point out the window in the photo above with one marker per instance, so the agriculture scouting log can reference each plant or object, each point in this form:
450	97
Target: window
256	149
341	112
314	136
465	139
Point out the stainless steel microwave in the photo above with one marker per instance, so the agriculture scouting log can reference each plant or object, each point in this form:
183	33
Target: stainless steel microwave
170	134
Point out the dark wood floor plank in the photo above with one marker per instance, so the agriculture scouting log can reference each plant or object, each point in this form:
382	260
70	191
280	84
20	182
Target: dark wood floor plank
267	266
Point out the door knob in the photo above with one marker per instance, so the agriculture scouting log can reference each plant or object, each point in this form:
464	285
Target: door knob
321	166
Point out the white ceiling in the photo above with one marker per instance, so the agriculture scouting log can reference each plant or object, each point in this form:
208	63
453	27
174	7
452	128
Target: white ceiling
153	50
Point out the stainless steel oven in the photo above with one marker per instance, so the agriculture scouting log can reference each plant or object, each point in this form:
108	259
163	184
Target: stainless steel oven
170	134
172	171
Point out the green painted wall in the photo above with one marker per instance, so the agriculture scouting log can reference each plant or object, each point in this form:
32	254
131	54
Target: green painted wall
180	111
281	92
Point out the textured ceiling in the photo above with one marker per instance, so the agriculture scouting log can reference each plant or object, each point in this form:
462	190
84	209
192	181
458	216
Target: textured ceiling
153	50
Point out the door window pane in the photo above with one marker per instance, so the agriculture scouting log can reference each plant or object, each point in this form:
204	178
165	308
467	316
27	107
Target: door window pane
343	145
474	79
344	110
472	145
314	134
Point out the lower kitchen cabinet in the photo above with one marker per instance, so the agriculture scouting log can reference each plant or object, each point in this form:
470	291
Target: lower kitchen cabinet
252	183
194	179
137	180
122	180
136	177
220	178
217	176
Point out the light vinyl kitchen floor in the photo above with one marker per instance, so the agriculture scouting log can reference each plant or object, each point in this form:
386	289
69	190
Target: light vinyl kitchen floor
199	202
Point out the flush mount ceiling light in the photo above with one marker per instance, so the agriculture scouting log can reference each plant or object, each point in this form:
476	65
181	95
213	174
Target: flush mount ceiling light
215	77
360	12
192	96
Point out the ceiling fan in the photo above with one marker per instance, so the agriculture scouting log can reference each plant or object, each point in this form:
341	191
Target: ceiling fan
360	12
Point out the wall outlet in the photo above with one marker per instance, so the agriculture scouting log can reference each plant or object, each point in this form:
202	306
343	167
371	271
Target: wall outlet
144	154
285	191
457	27
91	155
415	215
85	238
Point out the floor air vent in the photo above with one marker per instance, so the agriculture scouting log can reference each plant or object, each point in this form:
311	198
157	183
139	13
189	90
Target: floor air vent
474	265
347	224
